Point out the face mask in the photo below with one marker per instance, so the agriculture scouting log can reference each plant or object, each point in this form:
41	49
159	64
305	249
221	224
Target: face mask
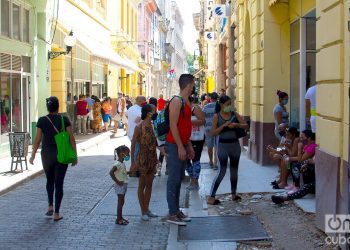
285	101
154	116
227	109
282	133
127	157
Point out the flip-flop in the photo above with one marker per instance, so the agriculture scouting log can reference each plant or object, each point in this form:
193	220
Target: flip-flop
121	222
49	213
58	219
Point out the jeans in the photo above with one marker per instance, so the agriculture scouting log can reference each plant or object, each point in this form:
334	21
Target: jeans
82	123
176	168
194	166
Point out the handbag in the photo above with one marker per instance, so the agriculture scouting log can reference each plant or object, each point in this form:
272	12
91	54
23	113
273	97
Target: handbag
240	132
65	151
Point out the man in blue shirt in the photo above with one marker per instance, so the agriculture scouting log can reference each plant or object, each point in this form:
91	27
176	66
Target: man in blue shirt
209	111
90	117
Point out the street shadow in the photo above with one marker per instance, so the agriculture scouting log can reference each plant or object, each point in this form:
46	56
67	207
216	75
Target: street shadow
10	173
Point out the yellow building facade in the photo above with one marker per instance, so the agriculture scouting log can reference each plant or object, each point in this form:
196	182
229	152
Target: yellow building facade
125	42
289	46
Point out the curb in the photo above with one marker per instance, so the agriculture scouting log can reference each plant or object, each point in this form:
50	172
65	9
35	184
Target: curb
81	147
17	184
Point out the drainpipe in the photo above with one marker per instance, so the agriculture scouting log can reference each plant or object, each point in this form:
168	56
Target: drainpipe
348	234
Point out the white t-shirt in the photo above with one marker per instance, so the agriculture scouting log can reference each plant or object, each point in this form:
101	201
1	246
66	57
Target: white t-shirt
311	95
133	113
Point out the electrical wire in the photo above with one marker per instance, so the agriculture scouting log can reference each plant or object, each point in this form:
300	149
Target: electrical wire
54	32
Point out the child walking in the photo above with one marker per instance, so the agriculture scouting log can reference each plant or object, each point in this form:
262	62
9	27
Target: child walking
120	176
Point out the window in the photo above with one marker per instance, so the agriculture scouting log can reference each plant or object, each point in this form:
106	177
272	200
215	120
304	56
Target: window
16	29
101	7
295	36
26	24
15	20
5	18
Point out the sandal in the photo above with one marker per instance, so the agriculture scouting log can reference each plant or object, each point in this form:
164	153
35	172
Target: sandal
49	213
277	186
126	221
58	219
273	183
121	222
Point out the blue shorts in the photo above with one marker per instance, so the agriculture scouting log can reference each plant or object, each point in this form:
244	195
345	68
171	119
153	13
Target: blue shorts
105	118
209	141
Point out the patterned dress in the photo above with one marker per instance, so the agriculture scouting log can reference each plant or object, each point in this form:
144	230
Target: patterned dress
96	112
146	159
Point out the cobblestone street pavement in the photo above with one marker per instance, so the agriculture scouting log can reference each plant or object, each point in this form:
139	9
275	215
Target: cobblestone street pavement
23	224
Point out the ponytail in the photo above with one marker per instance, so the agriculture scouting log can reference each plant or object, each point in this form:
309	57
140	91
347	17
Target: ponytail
281	94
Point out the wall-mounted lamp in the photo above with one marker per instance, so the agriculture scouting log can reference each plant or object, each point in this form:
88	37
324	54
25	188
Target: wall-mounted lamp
124	77
69	41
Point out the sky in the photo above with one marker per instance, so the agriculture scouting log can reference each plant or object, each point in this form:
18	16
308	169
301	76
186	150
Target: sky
190	35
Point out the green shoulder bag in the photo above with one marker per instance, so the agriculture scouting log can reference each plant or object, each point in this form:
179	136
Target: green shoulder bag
65	152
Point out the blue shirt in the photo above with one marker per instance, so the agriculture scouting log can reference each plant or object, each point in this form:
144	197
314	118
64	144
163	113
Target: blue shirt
209	111
90	102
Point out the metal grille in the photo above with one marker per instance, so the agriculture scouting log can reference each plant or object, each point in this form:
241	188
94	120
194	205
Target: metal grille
5	61
226	228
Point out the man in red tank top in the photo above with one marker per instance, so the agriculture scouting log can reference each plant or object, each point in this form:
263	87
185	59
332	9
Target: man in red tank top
178	147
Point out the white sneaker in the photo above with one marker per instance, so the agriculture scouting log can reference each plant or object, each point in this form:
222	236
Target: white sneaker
151	215
145	217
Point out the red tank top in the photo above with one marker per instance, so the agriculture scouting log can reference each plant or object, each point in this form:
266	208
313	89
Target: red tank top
184	125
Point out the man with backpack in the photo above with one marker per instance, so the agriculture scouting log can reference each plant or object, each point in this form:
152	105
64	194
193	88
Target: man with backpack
178	147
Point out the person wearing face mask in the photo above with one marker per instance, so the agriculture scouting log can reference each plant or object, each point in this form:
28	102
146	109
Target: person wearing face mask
280	113
225	123
146	159
119	175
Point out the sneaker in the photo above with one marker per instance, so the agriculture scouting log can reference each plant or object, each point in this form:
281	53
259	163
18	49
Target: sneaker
174	219
183	217
151	215
192	187
145	217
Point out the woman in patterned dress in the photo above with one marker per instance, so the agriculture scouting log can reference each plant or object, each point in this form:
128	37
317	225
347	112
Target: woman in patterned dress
96	112
146	159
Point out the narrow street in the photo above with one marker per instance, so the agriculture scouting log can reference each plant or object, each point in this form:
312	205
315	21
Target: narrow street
89	210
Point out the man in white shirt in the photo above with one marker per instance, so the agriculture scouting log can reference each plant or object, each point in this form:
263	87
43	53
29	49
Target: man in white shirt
134	115
311	115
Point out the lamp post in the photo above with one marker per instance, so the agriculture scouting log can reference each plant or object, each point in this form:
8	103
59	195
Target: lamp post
69	41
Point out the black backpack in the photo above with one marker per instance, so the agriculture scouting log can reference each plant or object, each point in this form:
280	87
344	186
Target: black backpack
162	124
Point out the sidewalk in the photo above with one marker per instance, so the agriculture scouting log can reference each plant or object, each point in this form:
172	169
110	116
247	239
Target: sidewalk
10	180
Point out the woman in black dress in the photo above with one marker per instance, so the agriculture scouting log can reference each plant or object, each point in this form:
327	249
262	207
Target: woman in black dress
55	172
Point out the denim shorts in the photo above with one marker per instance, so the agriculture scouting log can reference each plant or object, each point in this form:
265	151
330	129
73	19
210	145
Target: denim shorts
209	141
105	118
120	189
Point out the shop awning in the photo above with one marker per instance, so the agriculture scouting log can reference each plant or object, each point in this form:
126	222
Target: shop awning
103	51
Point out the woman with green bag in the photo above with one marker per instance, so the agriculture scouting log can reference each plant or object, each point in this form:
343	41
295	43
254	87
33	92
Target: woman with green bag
53	131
